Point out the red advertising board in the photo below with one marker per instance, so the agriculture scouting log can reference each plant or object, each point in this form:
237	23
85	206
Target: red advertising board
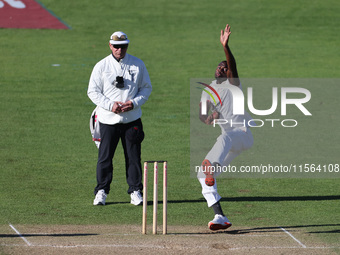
27	14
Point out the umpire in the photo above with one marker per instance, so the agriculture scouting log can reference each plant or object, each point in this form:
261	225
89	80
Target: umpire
119	85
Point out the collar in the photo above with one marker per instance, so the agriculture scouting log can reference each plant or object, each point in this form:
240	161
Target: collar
114	57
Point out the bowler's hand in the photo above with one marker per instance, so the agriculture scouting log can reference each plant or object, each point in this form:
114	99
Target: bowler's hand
224	38
212	117
127	106
117	107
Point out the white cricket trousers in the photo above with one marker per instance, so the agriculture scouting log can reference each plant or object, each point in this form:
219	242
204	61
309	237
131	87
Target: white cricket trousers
228	146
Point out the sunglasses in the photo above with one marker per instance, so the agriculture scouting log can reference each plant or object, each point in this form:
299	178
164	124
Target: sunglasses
120	46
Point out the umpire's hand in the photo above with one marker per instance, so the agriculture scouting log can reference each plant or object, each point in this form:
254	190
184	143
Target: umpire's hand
127	106
117	107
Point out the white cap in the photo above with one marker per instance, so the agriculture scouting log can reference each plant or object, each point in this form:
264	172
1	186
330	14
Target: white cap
119	38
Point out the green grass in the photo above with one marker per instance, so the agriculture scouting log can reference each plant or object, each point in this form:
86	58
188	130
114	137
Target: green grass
48	158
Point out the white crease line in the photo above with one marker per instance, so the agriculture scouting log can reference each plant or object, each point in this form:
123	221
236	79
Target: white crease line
102	246
164	247
241	235
106	246
302	245
23	238
283	247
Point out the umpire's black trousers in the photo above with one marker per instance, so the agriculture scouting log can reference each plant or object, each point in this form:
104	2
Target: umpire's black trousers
131	135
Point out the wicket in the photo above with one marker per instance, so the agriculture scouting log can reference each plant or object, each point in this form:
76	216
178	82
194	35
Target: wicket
155	196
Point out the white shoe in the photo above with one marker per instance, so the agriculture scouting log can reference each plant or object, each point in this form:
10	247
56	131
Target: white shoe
100	198
219	222
136	198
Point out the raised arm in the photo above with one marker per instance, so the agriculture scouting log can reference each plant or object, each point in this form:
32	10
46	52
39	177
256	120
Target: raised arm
232	70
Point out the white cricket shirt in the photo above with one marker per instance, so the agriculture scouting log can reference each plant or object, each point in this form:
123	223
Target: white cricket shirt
103	92
228	119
